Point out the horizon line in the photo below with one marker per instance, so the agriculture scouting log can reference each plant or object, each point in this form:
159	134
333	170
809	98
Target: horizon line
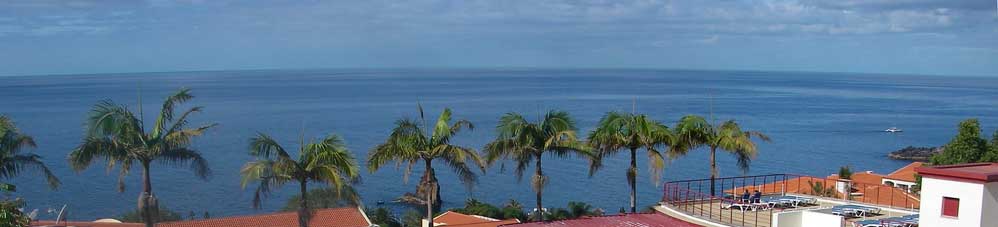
500	68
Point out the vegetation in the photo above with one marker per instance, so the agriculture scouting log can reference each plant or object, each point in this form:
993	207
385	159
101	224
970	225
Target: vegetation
819	189
694	131
412	218
475	207
572	211
618	131
524	142
411	142
11	215
12	161
325	198
117	135
383	217
845	173
968	146
324	161
512	209
164	215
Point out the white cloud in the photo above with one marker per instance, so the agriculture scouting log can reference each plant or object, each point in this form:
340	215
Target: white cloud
709	40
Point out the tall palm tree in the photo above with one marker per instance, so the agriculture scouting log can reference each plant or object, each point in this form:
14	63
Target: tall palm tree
12	162
411	142
694	131
117	135
619	131
526	142
326	161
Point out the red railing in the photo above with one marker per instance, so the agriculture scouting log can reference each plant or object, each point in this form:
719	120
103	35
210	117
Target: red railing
872	194
694	197
698	198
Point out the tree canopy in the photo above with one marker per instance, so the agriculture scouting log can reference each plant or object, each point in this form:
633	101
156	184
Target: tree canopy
968	146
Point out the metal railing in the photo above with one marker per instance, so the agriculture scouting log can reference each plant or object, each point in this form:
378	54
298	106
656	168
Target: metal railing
698	198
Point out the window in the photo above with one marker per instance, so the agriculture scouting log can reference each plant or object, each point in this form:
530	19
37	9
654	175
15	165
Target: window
951	207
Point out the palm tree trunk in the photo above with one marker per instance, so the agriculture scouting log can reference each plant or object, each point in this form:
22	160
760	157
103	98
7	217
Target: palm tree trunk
713	170
430	180
539	174
632	180
303	205
146	199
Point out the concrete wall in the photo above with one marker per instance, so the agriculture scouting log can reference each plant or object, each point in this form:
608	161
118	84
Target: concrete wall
990	211
971	196
806	219
788	219
815	219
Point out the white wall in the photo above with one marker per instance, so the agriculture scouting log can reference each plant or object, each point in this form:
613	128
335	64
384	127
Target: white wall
806	219
990	204
788	219
970	195
815	219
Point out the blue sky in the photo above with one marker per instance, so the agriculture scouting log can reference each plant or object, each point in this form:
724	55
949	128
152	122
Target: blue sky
941	37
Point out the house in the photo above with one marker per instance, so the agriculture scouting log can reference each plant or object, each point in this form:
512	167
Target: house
332	217
959	195
904	177
451	218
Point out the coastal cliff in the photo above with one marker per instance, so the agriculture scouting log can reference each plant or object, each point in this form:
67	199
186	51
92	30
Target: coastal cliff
915	153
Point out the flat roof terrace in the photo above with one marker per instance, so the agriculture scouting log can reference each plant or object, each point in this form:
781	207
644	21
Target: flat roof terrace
692	199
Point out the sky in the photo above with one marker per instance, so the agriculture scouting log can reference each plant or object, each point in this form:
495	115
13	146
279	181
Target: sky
933	37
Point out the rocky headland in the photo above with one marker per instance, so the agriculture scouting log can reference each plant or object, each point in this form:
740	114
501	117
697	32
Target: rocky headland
915	153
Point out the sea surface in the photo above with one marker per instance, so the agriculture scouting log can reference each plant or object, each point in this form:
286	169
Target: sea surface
818	122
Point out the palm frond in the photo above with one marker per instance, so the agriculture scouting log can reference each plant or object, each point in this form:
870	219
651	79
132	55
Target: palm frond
403	145
263	146
97	148
12	166
166	113
182	156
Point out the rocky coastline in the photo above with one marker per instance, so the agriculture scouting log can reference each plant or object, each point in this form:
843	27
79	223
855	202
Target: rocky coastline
915	153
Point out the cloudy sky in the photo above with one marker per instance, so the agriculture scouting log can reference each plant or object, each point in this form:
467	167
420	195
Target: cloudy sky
939	37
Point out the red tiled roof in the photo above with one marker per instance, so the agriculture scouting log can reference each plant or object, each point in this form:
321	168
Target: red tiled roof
627	220
332	217
979	172
488	224
906	173
85	224
451	218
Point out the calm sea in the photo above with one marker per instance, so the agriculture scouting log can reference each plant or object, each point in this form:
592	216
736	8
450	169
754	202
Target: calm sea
818	122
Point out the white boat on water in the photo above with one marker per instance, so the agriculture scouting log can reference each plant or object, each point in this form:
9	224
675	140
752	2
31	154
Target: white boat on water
893	129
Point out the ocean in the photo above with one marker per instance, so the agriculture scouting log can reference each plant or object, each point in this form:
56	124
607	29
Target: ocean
818	122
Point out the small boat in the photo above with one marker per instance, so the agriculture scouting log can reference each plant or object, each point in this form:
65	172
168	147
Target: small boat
893	130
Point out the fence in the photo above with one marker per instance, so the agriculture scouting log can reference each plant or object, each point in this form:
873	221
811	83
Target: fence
707	199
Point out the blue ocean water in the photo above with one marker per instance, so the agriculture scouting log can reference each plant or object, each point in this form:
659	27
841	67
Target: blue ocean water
818	122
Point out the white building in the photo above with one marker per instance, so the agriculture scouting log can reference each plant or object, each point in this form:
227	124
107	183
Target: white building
959	195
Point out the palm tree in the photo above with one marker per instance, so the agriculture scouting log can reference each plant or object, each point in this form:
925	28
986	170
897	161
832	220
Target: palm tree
580	209
12	162
617	131
326	161
525	142
117	135
693	131
411	142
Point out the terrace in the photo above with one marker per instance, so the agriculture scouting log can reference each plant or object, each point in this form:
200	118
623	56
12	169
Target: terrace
782	194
